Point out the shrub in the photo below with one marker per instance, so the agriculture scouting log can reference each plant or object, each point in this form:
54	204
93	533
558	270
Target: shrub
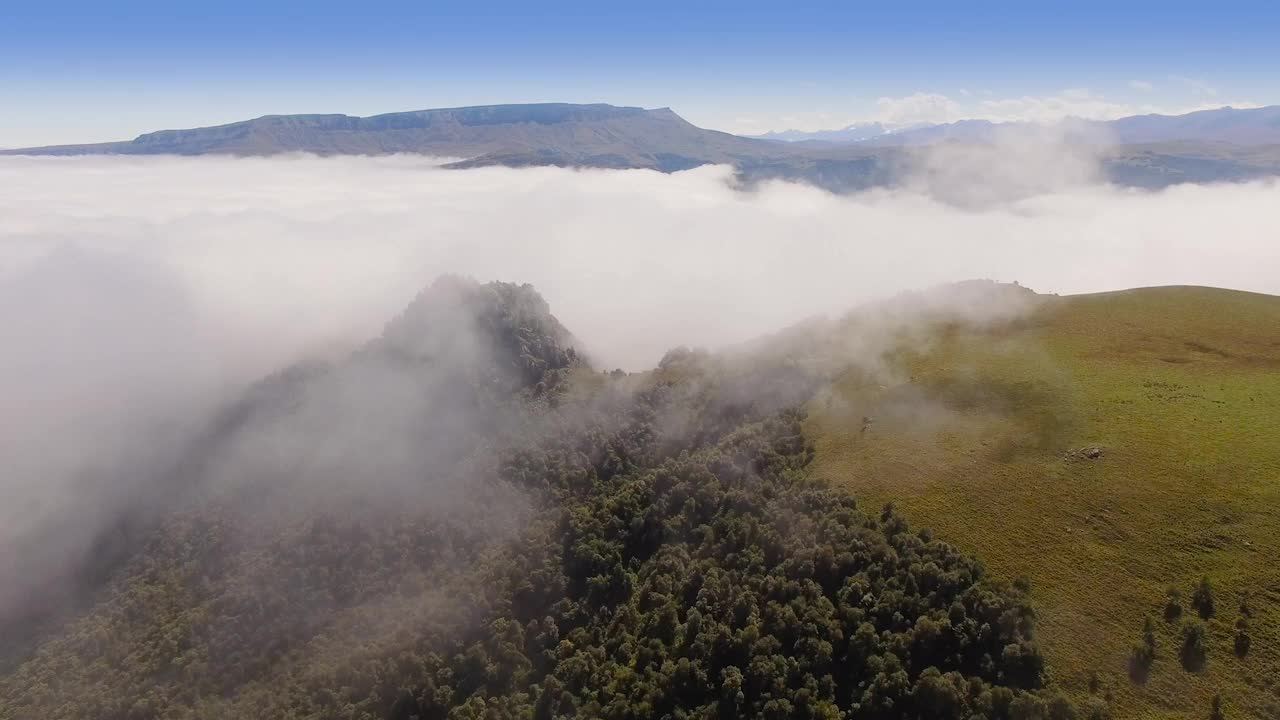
1173	604
1060	708
1139	664
1202	598
1243	641
1143	654
1098	710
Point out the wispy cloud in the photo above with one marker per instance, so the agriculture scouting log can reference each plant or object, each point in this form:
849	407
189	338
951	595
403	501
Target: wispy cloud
1196	85
1073	102
1141	85
917	108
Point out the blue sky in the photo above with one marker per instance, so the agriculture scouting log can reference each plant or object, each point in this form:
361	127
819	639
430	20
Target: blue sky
77	71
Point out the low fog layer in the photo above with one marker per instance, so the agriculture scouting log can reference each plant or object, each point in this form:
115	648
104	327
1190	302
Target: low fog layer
304	252
137	294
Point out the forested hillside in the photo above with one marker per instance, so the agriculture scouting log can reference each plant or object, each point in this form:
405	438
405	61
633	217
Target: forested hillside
465	520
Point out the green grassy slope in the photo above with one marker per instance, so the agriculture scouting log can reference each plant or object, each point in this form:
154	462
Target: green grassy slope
974	433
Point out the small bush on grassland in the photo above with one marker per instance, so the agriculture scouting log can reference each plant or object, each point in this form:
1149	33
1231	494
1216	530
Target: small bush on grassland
1202	599
1173	604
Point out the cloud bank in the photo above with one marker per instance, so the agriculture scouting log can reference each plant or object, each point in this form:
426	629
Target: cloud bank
1083	103
302	254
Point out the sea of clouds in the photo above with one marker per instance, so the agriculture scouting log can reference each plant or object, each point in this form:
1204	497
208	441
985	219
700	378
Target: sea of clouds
297	254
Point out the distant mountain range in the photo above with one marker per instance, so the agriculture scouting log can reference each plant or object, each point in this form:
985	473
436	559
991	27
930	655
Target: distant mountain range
857	132
1239	126
1148	151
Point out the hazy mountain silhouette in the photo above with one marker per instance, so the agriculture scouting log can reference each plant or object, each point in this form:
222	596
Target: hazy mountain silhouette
541	134
1238	126
1214	145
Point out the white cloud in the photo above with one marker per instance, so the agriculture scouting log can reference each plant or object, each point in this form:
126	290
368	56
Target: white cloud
1195	85
935	108
1079	103
917	108
1074	102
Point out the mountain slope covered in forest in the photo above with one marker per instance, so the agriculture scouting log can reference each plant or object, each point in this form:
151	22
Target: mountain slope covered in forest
463	519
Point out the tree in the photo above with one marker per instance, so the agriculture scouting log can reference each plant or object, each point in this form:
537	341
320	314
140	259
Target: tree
935	697
1216	712
548	699
1195	648
1202	599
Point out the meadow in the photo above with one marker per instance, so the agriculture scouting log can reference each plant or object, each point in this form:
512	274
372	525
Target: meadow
1106	448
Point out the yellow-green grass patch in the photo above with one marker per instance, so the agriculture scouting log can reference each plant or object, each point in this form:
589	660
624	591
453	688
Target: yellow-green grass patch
979	435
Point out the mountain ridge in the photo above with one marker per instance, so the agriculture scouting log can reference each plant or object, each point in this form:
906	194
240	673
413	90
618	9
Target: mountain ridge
270	134
627	137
